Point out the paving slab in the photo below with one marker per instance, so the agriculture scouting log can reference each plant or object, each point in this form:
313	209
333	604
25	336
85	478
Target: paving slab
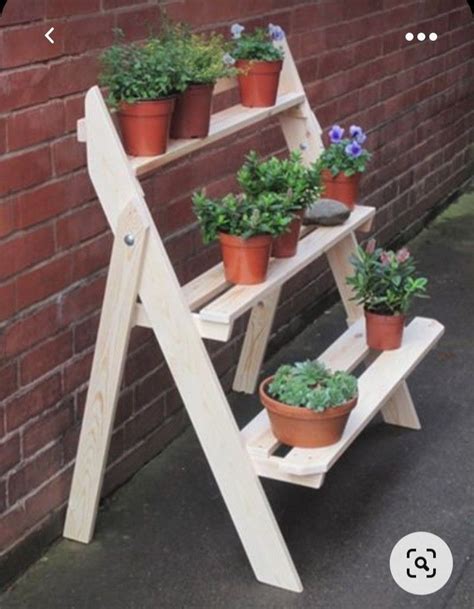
165	540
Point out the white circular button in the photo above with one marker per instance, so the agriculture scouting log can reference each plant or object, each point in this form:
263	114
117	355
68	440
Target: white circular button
433	36
421	36
421	563
409	36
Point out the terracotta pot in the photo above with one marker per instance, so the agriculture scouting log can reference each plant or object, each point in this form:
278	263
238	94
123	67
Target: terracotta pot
145	126
192	113
245	260
285	246
302	427
341	188
258	82
384	332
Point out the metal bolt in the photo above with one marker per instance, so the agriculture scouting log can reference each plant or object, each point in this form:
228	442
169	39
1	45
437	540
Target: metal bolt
129	239
304	146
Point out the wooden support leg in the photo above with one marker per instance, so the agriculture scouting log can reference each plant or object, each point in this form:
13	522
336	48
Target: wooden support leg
107	368
255	343
400	410
339	261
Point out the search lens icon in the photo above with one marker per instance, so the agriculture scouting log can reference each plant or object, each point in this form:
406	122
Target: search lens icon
420	563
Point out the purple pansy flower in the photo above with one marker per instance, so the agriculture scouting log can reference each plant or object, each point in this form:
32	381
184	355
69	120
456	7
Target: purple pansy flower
236	30
353	149
385	258
357	133
335	134
403	255
276	32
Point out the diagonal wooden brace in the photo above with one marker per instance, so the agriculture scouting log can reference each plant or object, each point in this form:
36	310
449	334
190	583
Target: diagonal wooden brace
107	369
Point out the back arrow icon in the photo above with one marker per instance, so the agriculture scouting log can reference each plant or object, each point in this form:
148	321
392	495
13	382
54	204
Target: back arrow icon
48	35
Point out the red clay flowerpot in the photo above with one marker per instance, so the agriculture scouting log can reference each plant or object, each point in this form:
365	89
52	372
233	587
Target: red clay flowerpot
258	82
384	332
285	246
302	427
192	112
341	188
145	126
245	260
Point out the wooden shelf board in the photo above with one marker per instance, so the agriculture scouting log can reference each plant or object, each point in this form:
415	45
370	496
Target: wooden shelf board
233	303
223	124
376	385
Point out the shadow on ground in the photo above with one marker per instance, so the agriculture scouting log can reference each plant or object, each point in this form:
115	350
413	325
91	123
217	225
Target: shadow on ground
165	539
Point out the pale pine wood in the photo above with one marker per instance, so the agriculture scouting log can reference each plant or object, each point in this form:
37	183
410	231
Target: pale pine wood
81	130
257	436
107	368
376	385
190	365
400	410
255	343
239	299
223	124
339	260
219	332
225	84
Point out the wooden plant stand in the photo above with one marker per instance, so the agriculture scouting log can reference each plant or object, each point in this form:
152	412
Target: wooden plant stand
142	289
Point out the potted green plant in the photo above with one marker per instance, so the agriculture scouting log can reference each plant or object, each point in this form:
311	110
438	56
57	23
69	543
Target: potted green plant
202	63
308	405
245	227
259	63
342	163
385	283
298	184
143	80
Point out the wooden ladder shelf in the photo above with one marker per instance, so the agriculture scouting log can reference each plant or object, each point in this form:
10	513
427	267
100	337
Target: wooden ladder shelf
142	289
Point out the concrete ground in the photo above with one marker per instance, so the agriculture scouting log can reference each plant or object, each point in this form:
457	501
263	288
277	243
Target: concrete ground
165	539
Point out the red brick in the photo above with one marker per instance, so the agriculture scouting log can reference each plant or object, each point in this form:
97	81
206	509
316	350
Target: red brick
23	87
3	496
36	125
145	422
8	381
68	155
25	250
3	139
80	225
84	70
49	428
92	256
81	301
74	110
44	358
53	198
77	371
34	401
7	300
52	277
96	32
50	496
9	453
34	473
61	8
29	330
136	22
85	333
25	169
8	218
19	50
22	12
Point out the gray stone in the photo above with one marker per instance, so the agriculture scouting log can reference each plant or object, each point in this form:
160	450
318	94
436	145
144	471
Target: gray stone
326	212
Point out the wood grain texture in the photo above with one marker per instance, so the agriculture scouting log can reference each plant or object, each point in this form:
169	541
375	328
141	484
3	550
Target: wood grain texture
400	410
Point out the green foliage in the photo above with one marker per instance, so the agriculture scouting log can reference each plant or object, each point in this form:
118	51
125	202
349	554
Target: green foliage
201	55
384	282
311	385
142	72
299	185
241	215
255	46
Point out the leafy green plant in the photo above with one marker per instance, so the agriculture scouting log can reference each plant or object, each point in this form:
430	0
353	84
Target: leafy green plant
310	384
241	215
385	282
202	56
345	154
257	45
299	185
142	72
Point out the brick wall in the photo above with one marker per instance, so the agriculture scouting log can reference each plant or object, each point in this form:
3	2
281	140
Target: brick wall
54	244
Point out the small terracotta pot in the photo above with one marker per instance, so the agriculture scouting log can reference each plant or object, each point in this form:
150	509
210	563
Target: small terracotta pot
258	82
192	113
384	332
341	188
302	427
285	245
145	126
245	260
